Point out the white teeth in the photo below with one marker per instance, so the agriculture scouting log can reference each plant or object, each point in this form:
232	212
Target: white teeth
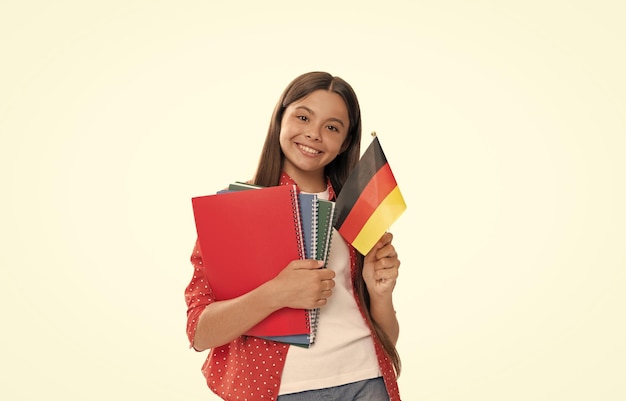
309	150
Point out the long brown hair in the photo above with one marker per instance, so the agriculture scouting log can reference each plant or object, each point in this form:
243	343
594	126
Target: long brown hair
271	162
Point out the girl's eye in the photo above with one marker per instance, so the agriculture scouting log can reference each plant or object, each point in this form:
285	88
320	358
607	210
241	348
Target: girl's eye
302	118
332	128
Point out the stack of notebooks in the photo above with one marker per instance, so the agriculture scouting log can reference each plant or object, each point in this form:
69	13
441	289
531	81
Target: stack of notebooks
249	234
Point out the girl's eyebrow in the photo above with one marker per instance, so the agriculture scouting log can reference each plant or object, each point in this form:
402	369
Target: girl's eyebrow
306	109
313	113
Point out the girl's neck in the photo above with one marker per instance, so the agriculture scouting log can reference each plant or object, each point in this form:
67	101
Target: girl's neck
312	183
311	187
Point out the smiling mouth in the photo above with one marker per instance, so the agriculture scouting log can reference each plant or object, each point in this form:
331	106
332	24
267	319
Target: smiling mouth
308	150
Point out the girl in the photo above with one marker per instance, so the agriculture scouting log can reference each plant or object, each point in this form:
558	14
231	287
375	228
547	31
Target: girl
313	142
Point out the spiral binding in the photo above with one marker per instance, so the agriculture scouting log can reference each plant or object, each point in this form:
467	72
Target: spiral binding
310	318
314	228
297	222
315	312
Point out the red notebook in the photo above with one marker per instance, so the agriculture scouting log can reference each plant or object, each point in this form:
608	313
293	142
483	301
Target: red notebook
246	239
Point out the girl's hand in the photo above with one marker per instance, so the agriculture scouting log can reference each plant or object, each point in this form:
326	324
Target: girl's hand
380	267
303	285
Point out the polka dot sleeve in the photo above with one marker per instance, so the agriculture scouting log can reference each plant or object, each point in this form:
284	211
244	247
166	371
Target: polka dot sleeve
198	294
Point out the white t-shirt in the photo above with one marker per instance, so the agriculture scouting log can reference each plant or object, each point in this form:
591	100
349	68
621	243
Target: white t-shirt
343	351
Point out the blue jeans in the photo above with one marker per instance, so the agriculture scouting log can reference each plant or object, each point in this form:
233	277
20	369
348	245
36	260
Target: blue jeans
366	390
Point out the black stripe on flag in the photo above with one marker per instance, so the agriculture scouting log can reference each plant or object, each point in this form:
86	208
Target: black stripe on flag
369	164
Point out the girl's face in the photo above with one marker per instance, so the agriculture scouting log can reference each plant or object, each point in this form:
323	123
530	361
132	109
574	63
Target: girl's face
313	132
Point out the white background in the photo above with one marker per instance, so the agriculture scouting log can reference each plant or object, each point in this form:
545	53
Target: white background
504	123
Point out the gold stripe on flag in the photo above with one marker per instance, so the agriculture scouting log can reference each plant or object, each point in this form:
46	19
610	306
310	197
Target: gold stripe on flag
381	219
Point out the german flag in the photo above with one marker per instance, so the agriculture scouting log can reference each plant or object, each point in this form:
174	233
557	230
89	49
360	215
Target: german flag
370	200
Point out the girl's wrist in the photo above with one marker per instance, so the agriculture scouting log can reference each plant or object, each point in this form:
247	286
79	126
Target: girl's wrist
271	292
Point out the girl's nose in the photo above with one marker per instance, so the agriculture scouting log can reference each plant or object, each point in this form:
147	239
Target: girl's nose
313	134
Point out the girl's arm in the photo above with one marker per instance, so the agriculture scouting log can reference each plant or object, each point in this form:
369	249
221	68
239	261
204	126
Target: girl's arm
380	272
300	285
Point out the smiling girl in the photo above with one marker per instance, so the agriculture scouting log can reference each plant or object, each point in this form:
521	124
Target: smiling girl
313	142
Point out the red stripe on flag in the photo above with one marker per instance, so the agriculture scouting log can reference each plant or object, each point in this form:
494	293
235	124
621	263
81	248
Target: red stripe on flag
376	190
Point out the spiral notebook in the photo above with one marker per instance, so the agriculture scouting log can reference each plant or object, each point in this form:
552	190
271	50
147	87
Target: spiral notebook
246	239
317	217
325	221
